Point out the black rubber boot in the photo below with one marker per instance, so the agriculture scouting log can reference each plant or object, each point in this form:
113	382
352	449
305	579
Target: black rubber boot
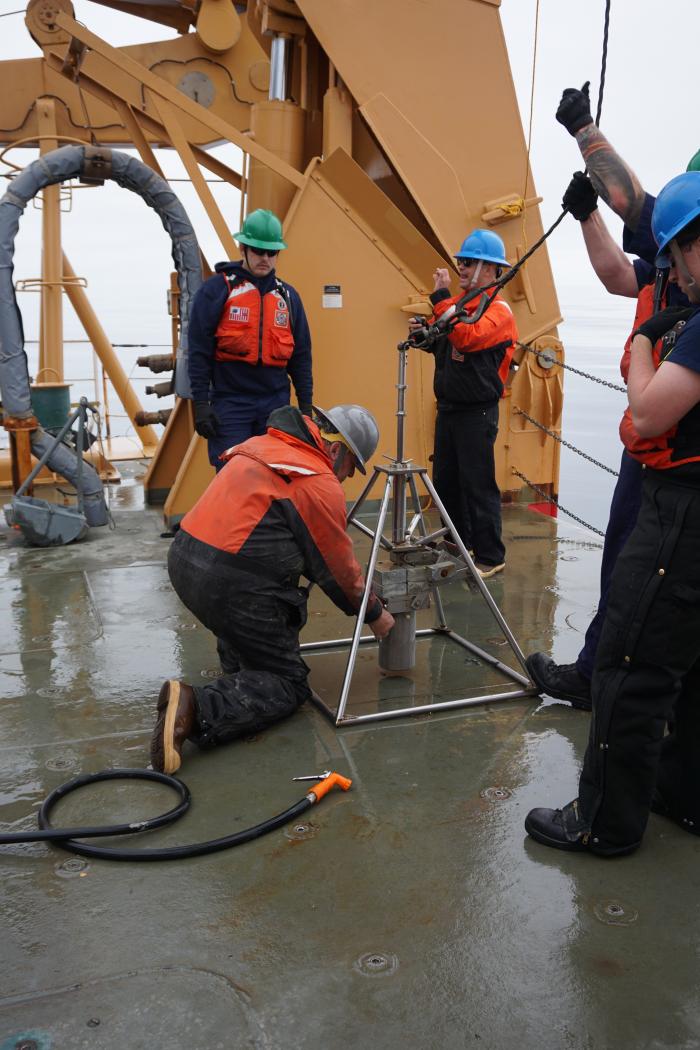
562	681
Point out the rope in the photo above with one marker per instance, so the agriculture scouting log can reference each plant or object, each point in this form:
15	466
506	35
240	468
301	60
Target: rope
532	108
556	503
604	62
567	444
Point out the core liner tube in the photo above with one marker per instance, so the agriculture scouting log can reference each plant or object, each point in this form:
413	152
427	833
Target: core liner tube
67	838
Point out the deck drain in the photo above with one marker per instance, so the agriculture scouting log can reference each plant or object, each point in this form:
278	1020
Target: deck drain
298	832
26	1044
64	762
71	867
497	640
568	557
495	794
376	964
51	692
615	913
211	673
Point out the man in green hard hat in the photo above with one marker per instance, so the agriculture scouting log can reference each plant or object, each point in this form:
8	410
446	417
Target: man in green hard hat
248	337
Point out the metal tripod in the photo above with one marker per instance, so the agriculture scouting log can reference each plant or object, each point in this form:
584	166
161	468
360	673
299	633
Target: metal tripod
420	564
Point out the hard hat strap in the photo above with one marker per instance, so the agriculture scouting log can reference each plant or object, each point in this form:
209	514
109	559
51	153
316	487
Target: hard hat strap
693	289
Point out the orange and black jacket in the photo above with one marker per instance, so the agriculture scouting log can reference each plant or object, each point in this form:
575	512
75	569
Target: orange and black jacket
679	446
277	510
472	361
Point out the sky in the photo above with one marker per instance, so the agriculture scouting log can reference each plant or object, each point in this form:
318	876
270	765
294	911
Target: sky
647	114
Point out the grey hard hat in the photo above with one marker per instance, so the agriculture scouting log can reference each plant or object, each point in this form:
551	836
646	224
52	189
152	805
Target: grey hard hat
357	427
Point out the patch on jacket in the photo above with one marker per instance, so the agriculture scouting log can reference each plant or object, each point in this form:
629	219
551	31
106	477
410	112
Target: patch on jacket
239	313
281	319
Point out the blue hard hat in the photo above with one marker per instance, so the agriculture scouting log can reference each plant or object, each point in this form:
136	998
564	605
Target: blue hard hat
676	206
485	245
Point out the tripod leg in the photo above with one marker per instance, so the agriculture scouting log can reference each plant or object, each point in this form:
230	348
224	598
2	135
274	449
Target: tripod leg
470	563
435	591
350	667
360	526
363	496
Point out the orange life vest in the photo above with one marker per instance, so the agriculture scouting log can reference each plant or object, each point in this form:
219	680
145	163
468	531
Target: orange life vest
645	310
255	329
667	450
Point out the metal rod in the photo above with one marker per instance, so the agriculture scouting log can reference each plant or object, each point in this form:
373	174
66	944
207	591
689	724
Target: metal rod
347	678
487	658
474	571
398	530
82	410
361	498
368	532
441	705
334	643
59	437
434	590
278	68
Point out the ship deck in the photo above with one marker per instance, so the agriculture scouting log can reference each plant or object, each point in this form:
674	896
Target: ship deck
411	911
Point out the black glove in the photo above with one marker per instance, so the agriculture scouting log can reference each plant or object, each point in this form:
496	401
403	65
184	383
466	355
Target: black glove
580	198
305	407
206	421
663	322
575	109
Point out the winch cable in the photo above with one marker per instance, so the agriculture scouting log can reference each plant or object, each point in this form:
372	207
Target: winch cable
489	292
67	838
526	346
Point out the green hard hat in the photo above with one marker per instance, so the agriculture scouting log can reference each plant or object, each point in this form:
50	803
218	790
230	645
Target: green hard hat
261	229
694	162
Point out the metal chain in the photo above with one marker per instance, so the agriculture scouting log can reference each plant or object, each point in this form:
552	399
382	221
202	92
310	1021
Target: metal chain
556	503
567	444
570	368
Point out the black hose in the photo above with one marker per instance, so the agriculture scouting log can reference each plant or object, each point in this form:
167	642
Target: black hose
67	838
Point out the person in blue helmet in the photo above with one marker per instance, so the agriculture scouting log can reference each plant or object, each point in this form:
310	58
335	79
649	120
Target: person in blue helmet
647	671
248	337
471	368
655	288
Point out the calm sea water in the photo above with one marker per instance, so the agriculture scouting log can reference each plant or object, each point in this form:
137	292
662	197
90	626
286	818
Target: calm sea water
594	333
593	336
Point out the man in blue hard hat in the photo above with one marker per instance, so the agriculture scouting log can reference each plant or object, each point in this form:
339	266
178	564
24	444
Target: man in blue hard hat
647	671
655	288
248	337
471	368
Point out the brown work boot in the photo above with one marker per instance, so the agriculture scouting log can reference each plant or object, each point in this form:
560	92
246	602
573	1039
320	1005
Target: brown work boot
176	716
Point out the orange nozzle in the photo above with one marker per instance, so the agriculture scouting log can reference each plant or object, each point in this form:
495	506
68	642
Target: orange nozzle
331	781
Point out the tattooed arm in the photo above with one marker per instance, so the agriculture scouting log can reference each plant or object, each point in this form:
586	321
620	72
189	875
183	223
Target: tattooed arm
614	180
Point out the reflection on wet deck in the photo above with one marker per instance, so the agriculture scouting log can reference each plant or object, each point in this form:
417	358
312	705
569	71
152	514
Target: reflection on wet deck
409	912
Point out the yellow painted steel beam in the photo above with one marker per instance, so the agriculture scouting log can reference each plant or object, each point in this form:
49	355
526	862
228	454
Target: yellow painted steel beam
220	129
105	351
51	329
176	135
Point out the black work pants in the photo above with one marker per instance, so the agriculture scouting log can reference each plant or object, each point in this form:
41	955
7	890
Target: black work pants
257	629
464	474
648	667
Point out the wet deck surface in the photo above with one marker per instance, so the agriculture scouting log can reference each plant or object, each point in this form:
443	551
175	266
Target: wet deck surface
410	912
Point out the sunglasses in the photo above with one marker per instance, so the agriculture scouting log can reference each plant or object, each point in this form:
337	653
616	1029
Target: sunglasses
467	262
264	251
